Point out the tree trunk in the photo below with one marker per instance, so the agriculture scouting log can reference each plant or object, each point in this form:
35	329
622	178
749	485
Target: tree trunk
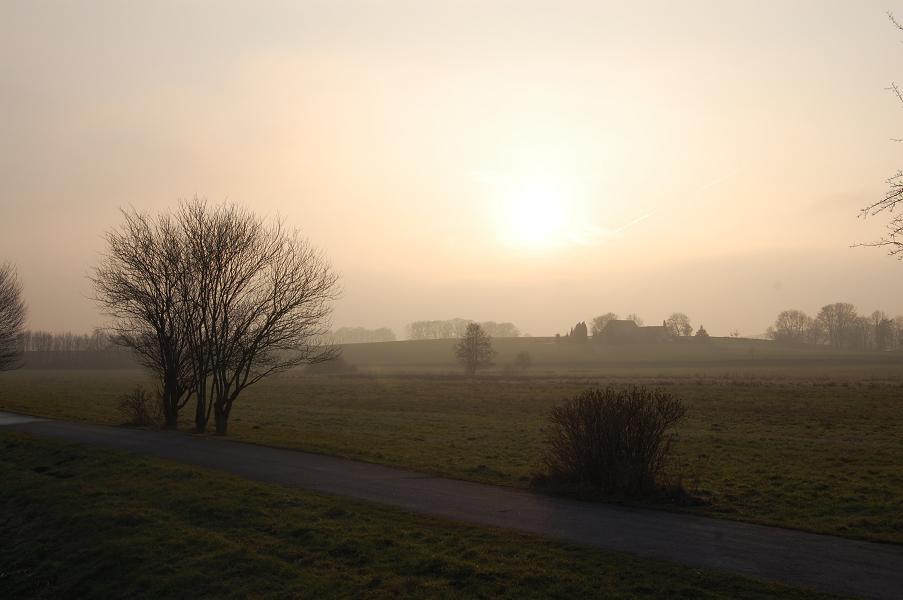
221	417
200	415
170	406
170	417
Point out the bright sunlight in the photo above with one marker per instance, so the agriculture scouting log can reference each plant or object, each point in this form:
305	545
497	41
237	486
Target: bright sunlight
536	214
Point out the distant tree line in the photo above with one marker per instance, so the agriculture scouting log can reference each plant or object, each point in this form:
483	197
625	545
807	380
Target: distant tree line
839	325
457	328
361	335
48	341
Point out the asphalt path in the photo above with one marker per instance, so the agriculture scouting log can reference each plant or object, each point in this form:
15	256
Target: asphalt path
820	562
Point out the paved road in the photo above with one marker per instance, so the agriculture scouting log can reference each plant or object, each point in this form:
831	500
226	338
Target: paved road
820	562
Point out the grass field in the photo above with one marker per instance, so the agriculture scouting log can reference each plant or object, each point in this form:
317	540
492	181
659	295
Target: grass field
87	523
805	446
555	356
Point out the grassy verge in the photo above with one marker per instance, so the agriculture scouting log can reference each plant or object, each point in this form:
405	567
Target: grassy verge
79	522
820	453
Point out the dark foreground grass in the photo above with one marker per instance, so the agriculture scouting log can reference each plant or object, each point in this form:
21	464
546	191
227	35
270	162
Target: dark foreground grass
815	449
78	522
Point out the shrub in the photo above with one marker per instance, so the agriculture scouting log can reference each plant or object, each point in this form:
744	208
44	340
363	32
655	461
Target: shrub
140	408
523	361
612	440
335	366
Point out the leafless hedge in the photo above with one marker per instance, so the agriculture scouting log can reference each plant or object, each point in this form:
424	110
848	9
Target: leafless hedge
140	408
614	440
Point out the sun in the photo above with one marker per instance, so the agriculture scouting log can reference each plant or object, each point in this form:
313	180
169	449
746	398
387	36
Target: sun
535	214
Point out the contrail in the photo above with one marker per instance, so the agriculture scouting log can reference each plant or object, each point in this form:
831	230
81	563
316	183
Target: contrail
630	224
593	234
718	180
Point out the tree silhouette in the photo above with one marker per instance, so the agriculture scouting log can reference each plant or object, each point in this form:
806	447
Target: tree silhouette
257	302
793	326
12	318
893	238
137	283
679	324
214	299
636	319
838	322
474	349
578	332
601	321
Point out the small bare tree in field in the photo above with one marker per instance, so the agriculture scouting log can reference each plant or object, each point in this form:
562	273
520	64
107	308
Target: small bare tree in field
474	349
12	318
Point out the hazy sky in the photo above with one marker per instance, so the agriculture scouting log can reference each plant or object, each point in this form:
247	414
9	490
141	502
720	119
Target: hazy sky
534	162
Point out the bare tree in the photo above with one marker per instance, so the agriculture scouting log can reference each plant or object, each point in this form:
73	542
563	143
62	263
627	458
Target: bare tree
599	323
361	335
474	349
897	332
882	330
505	329
137	284
258	303
893	238
679	324
12	318
450	328
636	319
838	322
214	300
791	326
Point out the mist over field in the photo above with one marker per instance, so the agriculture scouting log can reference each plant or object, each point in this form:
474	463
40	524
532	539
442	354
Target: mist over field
490	161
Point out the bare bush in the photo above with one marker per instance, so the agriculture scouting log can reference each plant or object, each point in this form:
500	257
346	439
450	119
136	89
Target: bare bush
140	408
336	366
523	361
614	440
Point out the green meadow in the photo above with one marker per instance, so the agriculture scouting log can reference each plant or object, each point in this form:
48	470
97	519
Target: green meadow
807	439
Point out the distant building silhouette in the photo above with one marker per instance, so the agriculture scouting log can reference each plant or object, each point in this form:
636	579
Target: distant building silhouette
628	332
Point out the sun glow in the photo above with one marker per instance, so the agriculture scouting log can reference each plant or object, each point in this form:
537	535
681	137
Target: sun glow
535	213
